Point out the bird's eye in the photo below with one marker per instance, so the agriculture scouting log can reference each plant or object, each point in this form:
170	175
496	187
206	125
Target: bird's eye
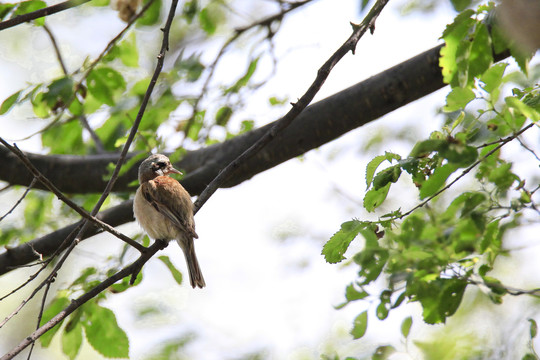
161	164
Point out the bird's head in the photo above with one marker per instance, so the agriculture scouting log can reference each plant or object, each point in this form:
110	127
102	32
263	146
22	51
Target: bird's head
154	166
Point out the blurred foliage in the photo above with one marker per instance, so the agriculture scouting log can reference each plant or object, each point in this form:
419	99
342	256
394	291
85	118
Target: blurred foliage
434	252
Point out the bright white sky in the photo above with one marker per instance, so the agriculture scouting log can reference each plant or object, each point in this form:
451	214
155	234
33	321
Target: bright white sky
268	287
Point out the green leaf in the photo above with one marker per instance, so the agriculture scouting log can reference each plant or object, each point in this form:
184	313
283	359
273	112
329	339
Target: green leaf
375	162
436	181
529	356
177	275
351	294
459	154
103	333
57	305
243	81
59	92
458	98
383	352
152	15
334	248
453	36
426	147
191	68
481	56
104	84
72	341
9	102
360	325
208	20
387	176
406	326
374	198
523	108
128	52
493	77
533	330
223	115
460	5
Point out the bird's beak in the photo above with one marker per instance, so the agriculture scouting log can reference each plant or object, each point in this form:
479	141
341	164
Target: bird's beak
170	169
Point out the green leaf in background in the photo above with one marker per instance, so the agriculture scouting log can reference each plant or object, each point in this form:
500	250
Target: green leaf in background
9	102
406	326
128	52
243	81
334	248
458	98
208	20
104	84
190	9
177	275
71	135
152	15
360	325
460	5
5	9
103	333
59	92
383	352
223	115
57	305
351	294
190	68
533	329
72	341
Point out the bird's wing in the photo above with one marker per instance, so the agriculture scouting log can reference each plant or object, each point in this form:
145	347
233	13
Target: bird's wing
169	198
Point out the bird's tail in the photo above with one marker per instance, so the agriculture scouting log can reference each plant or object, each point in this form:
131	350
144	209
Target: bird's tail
195	275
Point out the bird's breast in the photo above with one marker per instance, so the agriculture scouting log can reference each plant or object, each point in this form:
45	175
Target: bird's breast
156	225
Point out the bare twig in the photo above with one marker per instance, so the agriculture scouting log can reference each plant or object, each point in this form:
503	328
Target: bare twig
56	49
298	107
40	13
20	199
40	315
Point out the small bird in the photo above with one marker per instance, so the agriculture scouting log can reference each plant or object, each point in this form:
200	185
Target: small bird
164	210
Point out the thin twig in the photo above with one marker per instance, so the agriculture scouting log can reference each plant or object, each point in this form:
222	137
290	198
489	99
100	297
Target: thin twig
40	315
40	13
21	198
298	107
56	49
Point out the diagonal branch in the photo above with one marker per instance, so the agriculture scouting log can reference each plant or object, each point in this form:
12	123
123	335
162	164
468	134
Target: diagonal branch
298	107
40	13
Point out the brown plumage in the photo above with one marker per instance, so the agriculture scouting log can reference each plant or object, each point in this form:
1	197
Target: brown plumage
164	210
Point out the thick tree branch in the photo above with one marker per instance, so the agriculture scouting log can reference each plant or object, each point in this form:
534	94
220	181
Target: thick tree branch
40	13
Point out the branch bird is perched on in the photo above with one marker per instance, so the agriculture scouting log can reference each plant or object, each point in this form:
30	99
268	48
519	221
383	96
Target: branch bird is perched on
164	210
